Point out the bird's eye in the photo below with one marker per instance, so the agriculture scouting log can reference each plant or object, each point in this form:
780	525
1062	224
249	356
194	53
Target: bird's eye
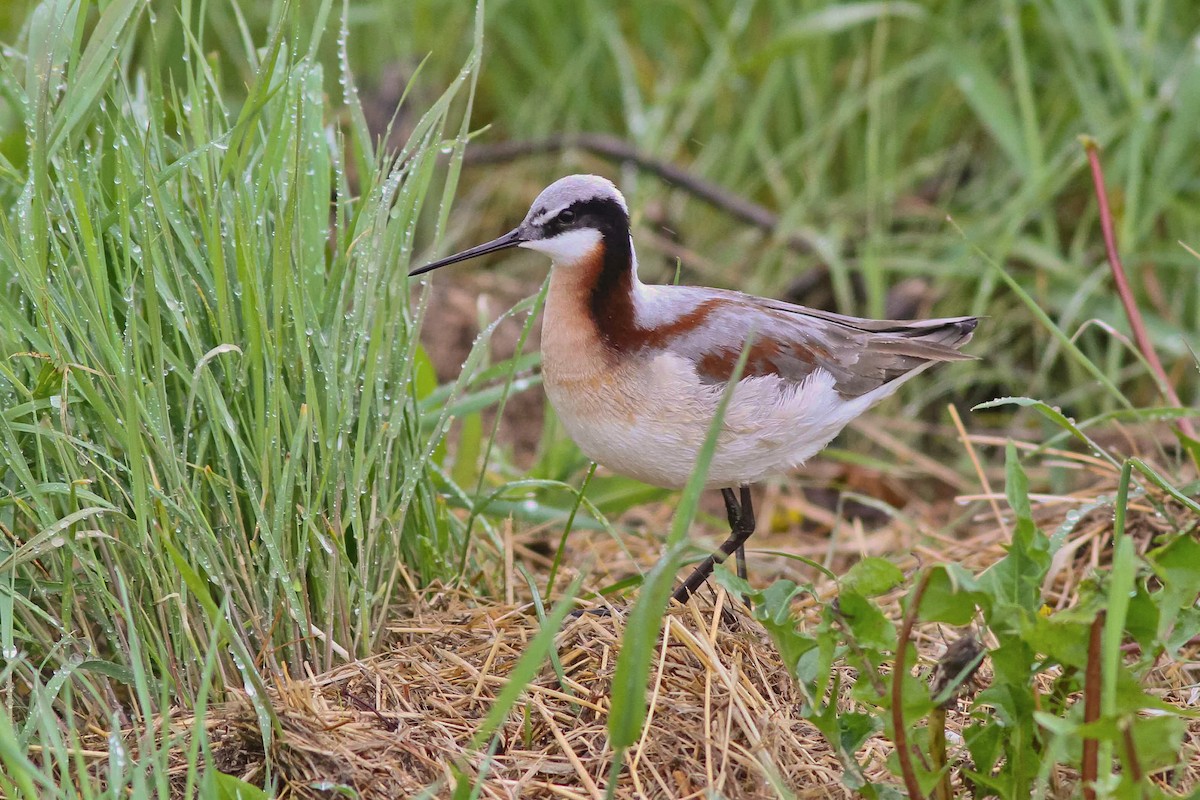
566	216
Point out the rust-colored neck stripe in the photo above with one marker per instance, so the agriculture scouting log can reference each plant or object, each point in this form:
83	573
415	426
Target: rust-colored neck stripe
611	278
610	303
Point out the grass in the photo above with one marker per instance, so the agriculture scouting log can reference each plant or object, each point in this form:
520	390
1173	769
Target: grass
214	464
225	462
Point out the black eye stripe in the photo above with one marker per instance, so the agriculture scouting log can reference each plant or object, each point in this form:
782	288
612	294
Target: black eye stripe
601	210
604	214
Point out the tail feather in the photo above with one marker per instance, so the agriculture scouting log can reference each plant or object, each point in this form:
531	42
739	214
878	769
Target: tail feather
953	332
899	353
935	340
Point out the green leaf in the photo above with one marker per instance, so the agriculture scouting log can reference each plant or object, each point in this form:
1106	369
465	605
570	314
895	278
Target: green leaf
642	628
1012	661
1015	580
855	728
986	96
872	577
951	595
49	381
1187	628
829	20
1054	415
1156	742
1177	563
219	786
118	672
424	377
843	16
1063	637
91	76
1142	621
866	622
1013	710
470	446
985	742
773	609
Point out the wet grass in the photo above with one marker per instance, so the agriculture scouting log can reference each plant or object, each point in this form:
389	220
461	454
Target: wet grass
213	460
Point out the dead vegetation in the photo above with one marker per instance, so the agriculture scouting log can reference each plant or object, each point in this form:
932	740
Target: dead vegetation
725	714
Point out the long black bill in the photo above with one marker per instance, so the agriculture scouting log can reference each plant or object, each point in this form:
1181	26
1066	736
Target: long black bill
510	239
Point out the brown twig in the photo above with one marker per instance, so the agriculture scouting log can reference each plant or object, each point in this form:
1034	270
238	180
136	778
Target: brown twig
899	731
1091	708
617	149
1123	289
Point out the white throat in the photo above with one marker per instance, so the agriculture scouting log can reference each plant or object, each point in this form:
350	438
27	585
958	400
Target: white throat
569	247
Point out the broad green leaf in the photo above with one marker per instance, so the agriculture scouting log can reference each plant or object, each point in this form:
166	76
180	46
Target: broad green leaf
951	595
866	622
871	577
221	786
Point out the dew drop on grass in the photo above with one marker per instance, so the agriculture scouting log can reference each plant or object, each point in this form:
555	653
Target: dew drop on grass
116	750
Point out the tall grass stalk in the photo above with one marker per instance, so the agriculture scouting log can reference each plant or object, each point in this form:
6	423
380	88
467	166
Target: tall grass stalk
212	462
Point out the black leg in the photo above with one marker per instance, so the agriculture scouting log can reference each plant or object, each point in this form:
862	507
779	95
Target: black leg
733	511
747	513
741	526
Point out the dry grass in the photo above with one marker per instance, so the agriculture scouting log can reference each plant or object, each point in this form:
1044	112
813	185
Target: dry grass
725	714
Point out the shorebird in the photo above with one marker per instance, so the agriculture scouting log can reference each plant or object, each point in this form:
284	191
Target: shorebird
635	372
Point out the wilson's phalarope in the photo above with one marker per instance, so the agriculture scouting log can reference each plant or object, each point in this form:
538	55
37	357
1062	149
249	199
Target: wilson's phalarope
635	372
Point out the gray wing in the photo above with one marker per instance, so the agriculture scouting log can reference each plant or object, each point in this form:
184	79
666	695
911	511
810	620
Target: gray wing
792	341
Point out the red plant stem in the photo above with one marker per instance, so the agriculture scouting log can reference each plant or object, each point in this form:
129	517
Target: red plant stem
1091	708
1131	756
898	730
1123	289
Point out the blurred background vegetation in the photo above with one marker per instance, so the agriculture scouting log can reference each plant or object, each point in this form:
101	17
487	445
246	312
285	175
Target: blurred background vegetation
861	126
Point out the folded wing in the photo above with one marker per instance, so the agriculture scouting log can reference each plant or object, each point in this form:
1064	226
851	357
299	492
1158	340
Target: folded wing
792	341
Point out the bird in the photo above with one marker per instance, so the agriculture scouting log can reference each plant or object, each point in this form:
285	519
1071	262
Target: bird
635	371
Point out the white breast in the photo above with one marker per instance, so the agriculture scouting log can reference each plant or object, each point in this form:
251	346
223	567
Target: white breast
649	420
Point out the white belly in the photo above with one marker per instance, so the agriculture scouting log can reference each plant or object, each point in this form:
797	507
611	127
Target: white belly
649	421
